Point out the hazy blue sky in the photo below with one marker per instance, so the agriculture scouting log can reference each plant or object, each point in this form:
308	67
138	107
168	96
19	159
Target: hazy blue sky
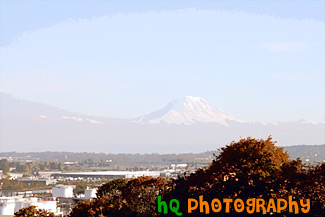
257	60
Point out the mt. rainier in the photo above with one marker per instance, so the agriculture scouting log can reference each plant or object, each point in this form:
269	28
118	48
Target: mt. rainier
187	110
188	124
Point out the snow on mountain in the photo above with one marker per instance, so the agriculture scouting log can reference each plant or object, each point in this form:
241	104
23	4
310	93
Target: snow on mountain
30	126
187	110
73	118
82	119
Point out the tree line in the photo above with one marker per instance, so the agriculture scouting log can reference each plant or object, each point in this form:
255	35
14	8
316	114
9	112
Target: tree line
249	168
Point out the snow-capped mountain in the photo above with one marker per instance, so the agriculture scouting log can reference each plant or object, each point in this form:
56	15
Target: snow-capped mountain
31	126
187	110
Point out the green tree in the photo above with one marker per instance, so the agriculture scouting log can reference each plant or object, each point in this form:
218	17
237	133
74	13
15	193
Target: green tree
42	166
21	168
111	187
80	187
4	165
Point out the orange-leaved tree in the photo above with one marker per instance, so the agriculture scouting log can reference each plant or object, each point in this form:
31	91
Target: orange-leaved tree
252	168
122	197
33	211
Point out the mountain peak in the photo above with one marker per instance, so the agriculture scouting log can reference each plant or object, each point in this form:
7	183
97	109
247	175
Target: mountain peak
187	110
193	98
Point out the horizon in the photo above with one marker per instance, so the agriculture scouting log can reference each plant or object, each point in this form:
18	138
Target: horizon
131	118
149	153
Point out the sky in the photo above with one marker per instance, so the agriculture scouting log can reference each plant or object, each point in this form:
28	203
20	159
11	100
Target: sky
257	60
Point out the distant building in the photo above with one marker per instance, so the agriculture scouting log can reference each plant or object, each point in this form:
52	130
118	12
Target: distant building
179	166
90	193
46	173
49	205
10	205
41	181
13	176
29	193
62	191
7	205
109	174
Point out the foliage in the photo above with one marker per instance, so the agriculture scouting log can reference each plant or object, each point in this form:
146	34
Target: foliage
33	211
14	185
253	168
80	188
4	165
249	168
120	197
111	188
21	168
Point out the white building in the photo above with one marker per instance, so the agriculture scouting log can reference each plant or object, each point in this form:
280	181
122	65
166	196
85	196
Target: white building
10	205
179	166
7	205
90	193
33	201
62	191
109	174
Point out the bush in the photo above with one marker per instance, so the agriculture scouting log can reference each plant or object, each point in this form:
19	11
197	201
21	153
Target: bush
33	211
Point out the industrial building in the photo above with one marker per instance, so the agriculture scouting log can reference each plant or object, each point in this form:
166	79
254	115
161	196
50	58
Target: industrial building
109	174
90	193
62	191
10	205
40	181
